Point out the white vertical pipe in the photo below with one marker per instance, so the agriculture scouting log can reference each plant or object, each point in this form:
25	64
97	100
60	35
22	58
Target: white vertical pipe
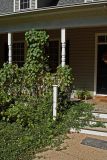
63	45
10	47
55	95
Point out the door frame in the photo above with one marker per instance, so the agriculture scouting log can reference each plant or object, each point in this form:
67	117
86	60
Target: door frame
96	61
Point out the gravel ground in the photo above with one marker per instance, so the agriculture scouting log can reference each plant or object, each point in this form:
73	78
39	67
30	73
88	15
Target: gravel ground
72	149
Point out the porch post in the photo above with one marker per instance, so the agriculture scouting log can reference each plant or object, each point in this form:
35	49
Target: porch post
63	47
10	47
55	101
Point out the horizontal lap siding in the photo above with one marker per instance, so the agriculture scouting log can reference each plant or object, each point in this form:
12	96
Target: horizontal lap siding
82	55
6	6
82	50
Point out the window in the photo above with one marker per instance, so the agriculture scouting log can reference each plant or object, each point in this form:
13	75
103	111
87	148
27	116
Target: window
102	39
52	51
18	53
24	4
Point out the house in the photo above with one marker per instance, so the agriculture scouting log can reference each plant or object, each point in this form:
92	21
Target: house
78	36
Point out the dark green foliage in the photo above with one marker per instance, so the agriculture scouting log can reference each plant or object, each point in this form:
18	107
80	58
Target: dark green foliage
36	61
17	142
98	124
9	78
26	125
63	78
32	131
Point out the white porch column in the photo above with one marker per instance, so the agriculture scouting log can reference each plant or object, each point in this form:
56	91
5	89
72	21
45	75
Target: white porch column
10	47
63	47
55	97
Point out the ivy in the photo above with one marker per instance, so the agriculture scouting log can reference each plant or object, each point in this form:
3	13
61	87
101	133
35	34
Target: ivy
36	61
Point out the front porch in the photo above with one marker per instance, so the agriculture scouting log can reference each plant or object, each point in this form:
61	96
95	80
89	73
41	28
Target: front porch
77	47
78	36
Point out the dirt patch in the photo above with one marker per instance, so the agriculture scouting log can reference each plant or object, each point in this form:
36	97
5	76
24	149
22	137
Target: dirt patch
72	149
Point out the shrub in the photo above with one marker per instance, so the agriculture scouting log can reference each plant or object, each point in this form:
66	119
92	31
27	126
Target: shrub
77	116
18	83
18	142
27	125
83	94
63	78
10	84
27	113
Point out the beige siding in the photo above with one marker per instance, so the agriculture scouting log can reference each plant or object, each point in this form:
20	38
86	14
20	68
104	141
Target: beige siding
82	55
82	49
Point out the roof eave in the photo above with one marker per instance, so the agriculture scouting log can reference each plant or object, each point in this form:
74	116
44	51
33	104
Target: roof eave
53	9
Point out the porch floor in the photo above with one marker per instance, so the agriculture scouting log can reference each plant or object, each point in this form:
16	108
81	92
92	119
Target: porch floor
99	106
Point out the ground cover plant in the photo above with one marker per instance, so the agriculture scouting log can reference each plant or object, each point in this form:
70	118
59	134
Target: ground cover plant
26	124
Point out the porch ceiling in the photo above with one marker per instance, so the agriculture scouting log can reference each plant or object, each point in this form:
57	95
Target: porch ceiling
52	18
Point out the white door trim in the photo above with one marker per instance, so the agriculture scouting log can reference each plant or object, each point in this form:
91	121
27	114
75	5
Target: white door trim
96	60
95	66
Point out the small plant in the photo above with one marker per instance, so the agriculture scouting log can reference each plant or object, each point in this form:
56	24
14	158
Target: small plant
83	94
98	124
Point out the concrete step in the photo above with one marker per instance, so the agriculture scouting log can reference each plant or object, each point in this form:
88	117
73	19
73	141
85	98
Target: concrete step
100	119
100	114
98	126
100	109
104	120
98	131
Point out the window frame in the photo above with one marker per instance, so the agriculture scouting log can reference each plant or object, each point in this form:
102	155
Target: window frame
17	42
21	9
